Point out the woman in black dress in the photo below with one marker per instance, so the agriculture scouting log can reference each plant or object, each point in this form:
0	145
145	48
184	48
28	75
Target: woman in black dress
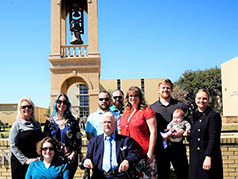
24	135
205	153
63	127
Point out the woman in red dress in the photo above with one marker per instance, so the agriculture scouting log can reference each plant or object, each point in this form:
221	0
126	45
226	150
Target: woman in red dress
138	121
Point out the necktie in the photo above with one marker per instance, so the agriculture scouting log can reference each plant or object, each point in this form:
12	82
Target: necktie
107	159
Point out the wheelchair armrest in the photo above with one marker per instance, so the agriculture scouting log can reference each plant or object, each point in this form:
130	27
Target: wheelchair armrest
86	171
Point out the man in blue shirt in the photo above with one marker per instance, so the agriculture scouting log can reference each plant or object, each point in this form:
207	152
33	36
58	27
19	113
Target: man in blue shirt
111	158
94	120
118	106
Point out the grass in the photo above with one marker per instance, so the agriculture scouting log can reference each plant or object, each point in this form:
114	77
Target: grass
4	133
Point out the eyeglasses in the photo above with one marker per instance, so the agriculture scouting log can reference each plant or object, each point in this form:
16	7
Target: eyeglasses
48	148
133	96
27	106
60	101
117	97
103	99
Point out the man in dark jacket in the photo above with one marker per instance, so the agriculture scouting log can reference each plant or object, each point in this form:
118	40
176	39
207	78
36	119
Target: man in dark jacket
175	152
113	157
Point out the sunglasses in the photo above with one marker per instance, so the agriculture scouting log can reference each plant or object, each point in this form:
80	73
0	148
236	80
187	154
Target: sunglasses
117	97
27	106
60	101
48	148
131	96
103	99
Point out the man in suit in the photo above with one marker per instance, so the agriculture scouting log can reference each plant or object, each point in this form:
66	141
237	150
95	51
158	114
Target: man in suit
111	160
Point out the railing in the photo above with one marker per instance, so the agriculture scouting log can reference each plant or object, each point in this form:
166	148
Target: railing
5	156
68	51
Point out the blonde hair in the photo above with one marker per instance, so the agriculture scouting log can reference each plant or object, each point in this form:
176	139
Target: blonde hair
19	114
166	81
203	90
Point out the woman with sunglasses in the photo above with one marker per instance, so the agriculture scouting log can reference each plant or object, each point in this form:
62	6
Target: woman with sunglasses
24	134
138	121
63	127
49	165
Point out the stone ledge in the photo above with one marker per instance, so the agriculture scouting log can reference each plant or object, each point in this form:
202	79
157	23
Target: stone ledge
4	142
231	138
229	119
228	139
84	141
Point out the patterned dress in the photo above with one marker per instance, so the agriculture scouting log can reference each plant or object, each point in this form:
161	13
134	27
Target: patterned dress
69	137
136	127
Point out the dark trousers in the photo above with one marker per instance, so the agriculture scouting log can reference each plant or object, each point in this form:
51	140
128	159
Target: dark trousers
18	170
98	174
73	168
176	154
117	176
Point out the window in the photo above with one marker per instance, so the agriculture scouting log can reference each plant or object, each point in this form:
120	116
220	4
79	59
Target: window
118	84
83	89
143	85
83	101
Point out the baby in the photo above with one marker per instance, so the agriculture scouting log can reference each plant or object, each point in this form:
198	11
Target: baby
176	124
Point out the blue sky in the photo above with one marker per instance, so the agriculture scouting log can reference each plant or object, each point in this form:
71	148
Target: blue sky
137	39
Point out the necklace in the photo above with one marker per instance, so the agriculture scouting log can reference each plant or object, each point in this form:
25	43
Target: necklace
134	110
61	122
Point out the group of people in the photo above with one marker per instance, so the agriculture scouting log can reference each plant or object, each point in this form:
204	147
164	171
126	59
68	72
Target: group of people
52	153
126	140
158	131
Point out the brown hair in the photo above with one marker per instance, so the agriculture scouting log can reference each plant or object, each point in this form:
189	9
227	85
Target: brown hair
53	142
122	93
166	81
142	104
104	91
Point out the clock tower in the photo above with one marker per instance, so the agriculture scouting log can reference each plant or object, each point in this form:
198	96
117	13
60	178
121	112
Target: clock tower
74	56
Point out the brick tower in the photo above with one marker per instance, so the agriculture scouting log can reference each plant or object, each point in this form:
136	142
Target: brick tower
75	61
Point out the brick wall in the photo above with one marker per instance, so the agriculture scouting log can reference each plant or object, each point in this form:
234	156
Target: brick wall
229	147
230	157
229	119
5	170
